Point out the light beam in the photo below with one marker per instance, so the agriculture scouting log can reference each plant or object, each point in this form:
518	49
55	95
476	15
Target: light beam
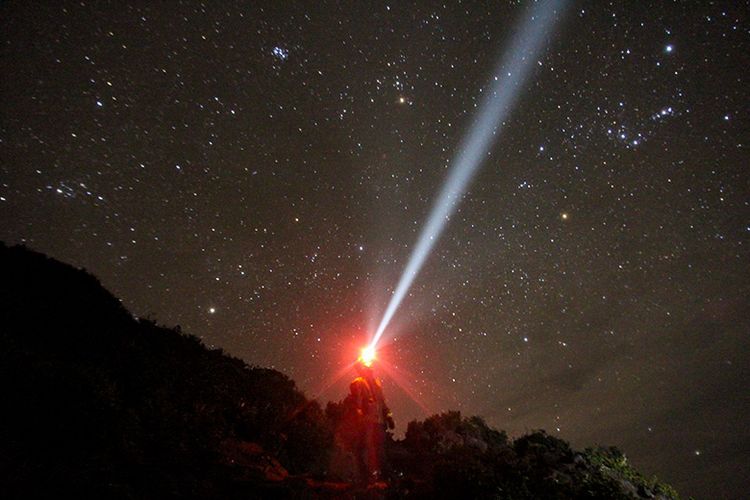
508	82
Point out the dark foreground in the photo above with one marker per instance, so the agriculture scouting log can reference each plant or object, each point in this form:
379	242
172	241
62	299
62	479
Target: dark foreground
100	404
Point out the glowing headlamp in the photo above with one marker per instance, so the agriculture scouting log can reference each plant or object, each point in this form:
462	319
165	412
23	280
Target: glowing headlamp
367	355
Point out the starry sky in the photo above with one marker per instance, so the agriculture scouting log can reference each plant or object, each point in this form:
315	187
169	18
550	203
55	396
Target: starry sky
258	172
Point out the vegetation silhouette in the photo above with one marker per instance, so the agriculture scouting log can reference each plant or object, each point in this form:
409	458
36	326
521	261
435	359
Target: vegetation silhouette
99	403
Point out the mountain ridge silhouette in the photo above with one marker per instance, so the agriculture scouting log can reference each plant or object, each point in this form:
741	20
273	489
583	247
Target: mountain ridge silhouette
102	403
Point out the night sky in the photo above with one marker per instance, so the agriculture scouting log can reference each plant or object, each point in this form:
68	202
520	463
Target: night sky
259	174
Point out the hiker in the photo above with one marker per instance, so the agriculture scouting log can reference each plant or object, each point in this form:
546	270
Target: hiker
373	418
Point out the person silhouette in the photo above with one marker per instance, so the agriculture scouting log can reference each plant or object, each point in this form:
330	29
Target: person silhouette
374	418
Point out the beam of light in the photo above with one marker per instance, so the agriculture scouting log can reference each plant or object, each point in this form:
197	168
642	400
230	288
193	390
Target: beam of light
510	77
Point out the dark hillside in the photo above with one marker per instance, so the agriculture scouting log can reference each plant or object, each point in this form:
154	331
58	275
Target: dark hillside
100	404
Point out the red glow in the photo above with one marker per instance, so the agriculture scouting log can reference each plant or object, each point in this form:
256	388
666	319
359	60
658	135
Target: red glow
402	380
